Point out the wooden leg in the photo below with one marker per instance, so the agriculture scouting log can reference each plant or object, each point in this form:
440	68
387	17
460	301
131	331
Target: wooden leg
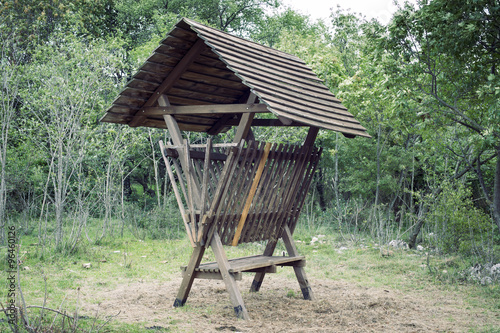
259	277
299	271
188	279
230	282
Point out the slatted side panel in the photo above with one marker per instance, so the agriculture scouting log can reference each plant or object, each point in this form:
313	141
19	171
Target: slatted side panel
284	188
216	190
278	198
236	190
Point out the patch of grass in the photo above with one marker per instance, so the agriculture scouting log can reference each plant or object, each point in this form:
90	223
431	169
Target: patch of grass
124	260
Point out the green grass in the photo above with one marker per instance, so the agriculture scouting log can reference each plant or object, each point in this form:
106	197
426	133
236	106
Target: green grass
118	260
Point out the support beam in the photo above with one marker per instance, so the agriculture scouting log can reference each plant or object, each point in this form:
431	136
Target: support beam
299	271
189	275
203	109
173	76
245	121
311	136
229	280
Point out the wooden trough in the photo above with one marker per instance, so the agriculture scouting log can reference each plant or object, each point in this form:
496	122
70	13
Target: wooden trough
201	79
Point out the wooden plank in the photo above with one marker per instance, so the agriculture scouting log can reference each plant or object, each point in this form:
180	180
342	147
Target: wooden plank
204	109
187	280
177	139
211	71
206	173
235	192
289	97
311	120
176	72
253	263
190	187
141	84
198	155
208	88
262	63
260	210
207	229
303	192
275	195
201	96
224	183
229	281
245	121
251	194
219	126
285	185
177	195
242	188
259	277
207	79
214	275
290	191
312	133
219	35
181	179
299	271
263	123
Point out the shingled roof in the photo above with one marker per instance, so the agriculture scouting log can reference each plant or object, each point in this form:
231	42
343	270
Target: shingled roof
208	74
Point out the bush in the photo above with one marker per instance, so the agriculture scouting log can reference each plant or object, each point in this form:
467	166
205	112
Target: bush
459	226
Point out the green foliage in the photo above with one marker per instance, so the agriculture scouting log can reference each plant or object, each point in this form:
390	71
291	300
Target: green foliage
236	16
459	226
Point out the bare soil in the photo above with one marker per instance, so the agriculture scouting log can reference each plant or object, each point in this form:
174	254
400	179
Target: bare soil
339	307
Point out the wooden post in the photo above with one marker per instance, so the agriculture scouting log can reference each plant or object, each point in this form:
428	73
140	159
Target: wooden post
176	192
187	280
299	271
245	122
206	173
251	194
259	277
230	282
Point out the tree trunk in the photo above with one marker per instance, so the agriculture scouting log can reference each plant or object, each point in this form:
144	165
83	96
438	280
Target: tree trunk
496	192
321	190
336	179
412	241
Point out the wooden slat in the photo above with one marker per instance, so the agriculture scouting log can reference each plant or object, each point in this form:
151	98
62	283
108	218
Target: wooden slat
311	120
176	73
303	192
177	195
212	80
291	190
251	194
207	228
252	263
209	89
229	281
206	173
299	271
234	53
237	191
204	109
204	30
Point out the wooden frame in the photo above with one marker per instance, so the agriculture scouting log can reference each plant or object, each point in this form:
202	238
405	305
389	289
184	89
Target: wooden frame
204	80
240	192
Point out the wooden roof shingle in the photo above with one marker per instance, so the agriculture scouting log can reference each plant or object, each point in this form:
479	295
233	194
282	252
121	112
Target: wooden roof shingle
205	73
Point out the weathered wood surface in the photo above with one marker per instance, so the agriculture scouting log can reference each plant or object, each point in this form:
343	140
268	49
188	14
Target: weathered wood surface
252	263
246	193
200	66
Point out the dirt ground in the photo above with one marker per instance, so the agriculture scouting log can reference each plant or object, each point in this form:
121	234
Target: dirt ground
278	307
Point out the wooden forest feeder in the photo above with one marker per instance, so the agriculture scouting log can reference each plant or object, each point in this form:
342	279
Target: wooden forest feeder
204	80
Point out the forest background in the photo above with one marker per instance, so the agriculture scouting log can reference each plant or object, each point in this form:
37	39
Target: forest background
426	87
